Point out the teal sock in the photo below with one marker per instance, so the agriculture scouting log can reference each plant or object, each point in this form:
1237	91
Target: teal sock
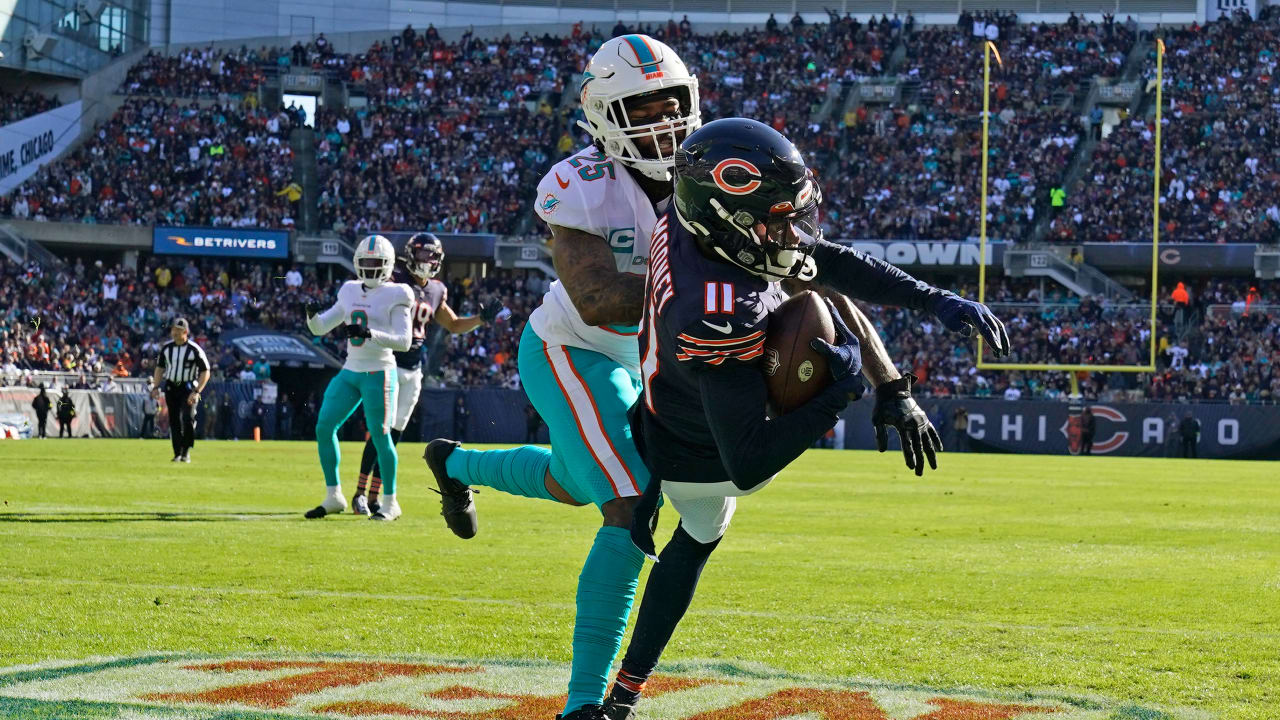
606	589
519	471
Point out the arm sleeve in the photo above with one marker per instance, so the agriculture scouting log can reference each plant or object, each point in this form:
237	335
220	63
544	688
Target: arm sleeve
707	343
858	275
401	335
327	320
161	362
752	447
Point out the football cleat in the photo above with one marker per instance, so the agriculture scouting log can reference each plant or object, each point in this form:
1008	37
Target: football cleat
387	510
186	457
360	505
332	505
586	712
176	458
617	710
459	510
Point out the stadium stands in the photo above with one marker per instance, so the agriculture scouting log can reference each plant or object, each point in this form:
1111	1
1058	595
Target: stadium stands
167	162
189	145
115	318
418	152
15	106
1221	132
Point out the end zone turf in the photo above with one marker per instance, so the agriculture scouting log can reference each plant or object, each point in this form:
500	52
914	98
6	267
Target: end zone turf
1141	586
157	686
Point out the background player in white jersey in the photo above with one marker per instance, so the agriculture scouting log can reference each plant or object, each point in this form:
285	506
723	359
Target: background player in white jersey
579	359
374	317
417	265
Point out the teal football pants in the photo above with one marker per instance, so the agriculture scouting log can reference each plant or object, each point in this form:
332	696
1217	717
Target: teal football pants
583	396
347	389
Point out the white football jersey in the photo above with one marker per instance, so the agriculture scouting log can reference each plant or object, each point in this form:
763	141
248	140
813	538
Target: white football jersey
384	309
591	192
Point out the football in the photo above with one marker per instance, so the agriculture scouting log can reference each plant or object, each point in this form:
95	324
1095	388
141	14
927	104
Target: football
792	370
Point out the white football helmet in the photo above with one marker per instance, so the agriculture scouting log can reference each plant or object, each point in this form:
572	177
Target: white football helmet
622	69
374	259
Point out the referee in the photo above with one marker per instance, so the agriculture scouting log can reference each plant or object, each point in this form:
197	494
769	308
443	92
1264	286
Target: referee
185	370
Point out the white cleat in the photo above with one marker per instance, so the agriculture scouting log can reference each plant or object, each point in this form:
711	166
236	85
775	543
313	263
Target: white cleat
388	509
334	504
360	505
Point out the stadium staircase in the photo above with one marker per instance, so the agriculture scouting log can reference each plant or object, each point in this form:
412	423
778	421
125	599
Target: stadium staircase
512	253
22	250
1080	278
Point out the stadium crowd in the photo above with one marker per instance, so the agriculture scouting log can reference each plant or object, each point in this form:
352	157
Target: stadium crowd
418	145
1220	181
99	319
1220	343
165	162
15	106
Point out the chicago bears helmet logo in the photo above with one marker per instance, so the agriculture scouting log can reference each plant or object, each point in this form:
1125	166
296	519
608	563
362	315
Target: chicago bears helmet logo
722	169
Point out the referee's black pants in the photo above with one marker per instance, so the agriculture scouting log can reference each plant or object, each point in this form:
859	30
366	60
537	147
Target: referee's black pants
182	417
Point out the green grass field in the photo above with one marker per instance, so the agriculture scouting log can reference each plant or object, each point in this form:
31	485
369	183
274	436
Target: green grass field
1131	587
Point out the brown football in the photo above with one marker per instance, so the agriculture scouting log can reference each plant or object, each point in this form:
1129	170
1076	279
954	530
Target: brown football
792	370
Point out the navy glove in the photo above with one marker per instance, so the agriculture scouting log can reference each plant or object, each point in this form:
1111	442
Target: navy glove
962	316
895	408
844	358
356	330
311	308
493	309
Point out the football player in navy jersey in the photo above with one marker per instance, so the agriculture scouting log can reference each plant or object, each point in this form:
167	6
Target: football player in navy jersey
745	218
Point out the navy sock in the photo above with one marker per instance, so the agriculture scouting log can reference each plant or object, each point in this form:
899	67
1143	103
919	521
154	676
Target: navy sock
667	596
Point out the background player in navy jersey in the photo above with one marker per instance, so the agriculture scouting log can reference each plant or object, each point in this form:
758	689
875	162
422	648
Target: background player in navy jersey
417	265
745	217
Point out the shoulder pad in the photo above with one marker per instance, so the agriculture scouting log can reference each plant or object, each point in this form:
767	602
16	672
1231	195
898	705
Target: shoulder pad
574	192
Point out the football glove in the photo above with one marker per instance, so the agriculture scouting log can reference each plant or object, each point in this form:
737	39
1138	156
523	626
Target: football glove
494	309
311	308
895	408
844	358
356	330
962	316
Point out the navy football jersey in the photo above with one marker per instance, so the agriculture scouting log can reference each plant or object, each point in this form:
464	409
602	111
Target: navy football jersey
427	299
699	314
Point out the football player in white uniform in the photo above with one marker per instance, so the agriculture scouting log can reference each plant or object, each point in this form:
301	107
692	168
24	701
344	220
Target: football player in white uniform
417	265
373	315
579	358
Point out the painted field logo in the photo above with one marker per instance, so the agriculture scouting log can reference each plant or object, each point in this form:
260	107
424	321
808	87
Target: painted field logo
174	686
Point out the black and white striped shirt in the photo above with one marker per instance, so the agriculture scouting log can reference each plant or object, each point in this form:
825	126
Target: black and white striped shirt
182	363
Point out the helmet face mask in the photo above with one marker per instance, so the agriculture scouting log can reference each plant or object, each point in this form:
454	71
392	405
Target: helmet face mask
422	257
374	260
634	70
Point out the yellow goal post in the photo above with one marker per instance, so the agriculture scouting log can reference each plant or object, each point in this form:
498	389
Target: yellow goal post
988	49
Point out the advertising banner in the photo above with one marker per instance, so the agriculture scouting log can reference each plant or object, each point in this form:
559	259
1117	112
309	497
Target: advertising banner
98	414
1180	257
221	242
280	348
1238	432
1214	9
929	253
1029	427
28	144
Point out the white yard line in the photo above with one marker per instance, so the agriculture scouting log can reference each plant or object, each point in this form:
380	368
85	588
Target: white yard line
705	612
